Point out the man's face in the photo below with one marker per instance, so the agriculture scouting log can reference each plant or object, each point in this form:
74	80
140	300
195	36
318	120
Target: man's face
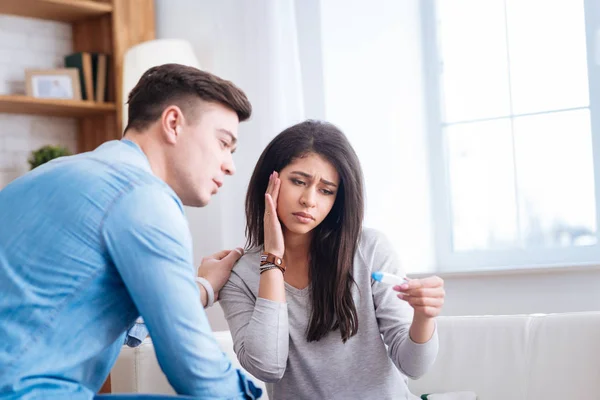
203	154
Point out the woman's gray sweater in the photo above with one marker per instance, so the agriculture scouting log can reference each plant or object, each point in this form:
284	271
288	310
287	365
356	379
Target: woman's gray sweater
270	337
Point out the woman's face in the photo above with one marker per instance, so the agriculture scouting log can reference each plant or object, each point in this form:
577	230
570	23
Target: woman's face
307	193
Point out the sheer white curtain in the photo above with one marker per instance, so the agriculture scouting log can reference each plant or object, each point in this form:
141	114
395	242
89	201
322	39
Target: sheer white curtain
254	44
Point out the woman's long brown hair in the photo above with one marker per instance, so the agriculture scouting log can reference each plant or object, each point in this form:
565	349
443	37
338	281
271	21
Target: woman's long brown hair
335	240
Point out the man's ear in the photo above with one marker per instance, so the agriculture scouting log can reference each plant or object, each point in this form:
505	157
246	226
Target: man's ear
172	121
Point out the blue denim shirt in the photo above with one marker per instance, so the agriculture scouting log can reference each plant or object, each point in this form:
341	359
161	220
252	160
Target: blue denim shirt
88	243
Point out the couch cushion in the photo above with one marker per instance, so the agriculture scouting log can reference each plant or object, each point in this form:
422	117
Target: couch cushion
520	357
484	354
565	356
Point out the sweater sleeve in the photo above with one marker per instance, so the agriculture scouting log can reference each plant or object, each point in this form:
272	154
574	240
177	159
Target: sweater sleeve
259	328
394	316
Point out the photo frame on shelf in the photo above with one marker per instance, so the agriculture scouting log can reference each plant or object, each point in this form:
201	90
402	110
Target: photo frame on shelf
62	83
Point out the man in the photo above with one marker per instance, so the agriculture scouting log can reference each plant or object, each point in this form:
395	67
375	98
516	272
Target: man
89	243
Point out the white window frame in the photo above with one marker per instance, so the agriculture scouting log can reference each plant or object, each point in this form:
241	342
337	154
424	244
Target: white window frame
446	258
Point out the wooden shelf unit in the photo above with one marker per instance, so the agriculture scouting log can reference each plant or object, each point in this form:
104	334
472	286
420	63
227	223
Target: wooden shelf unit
56	10
18	104
103	26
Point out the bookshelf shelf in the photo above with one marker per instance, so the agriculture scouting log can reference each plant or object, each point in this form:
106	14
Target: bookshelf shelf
17	104
57	10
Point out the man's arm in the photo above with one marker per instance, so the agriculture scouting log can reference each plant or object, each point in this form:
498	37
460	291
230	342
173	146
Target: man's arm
148	240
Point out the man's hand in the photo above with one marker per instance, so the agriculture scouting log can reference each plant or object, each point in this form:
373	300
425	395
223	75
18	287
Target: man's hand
217	268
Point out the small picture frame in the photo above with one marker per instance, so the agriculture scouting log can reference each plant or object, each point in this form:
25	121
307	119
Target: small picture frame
60	83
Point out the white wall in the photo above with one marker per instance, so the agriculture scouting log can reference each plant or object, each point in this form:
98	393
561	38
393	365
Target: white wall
30	43
374	92
523	292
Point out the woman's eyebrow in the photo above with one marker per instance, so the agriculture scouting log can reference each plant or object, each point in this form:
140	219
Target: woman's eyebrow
309	176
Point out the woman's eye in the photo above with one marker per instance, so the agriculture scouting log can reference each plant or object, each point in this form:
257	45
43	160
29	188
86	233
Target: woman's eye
297	182
224	144
327	192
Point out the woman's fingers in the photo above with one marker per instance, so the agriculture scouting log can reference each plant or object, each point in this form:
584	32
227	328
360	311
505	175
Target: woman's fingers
423	292
424	283
270	185
273	234
270	211
276	185
432	281
426	296
436	302
273	192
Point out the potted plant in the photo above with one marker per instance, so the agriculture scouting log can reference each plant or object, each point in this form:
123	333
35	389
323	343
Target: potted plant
45	154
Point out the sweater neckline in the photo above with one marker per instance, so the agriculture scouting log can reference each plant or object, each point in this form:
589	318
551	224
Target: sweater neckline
297	292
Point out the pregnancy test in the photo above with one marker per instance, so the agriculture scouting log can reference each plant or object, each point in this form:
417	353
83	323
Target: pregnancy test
390	279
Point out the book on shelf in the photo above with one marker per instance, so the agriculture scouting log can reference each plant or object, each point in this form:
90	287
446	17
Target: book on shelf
93	74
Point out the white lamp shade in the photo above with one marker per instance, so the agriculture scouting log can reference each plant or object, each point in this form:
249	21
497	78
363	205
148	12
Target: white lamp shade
139	58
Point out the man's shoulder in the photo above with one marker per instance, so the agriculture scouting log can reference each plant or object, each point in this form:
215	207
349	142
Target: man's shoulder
126	169
119	157
112	164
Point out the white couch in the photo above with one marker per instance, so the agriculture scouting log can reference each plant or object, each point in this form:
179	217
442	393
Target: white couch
533	357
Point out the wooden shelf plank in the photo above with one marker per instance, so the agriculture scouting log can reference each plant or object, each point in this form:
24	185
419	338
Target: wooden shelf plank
57	10
17	104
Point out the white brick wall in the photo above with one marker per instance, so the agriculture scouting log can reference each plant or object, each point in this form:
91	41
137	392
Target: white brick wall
30	43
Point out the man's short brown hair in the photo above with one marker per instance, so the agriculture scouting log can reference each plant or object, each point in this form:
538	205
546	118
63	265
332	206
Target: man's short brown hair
180	85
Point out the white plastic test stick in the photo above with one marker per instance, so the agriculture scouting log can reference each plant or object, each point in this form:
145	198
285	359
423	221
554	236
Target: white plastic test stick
390	279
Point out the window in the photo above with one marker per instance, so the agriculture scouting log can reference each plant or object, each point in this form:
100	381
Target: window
514	124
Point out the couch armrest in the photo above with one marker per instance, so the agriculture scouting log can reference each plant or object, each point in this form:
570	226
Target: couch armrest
137	369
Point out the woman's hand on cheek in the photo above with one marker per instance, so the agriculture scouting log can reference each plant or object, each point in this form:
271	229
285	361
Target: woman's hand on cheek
425	296
273	233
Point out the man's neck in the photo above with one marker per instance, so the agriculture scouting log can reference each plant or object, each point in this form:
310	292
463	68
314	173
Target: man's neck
152	150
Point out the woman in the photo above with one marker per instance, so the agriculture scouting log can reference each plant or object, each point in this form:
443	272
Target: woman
304	313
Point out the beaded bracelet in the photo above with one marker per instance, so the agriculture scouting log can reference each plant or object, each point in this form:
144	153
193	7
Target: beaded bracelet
268	266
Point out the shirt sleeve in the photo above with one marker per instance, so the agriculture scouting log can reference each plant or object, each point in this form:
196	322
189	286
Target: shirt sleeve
148	239
259	328
394	316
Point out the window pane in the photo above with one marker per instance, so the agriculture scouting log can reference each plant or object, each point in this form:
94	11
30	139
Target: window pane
555	179
482	183
548	66
474	79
